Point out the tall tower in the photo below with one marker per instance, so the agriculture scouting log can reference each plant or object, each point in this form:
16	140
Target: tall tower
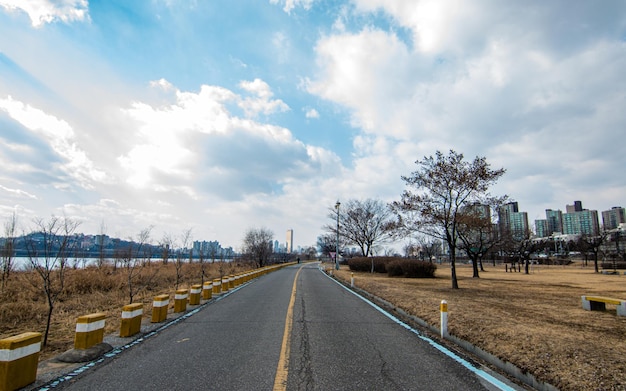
289	241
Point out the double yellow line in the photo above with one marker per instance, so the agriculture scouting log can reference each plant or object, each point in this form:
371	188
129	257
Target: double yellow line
282	371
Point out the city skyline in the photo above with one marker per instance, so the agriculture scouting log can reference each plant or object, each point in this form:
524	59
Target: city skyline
223	116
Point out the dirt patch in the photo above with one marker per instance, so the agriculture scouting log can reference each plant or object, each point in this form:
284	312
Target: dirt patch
534	321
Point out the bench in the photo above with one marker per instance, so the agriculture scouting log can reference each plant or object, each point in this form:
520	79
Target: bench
598	303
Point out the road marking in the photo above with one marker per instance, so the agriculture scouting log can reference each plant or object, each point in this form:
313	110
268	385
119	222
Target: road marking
282	370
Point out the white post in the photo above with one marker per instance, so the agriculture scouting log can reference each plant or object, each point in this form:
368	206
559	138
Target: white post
444	318
352	280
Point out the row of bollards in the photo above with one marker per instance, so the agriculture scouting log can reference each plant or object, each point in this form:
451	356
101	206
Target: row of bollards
19	354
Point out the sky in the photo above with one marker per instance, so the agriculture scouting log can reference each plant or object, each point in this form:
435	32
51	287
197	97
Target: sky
220	116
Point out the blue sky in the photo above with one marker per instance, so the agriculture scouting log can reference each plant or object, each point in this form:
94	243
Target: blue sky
220	116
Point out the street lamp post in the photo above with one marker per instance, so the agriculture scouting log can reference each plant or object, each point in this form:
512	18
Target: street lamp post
337	248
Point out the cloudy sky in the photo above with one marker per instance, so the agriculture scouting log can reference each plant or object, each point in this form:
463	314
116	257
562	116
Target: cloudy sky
224	115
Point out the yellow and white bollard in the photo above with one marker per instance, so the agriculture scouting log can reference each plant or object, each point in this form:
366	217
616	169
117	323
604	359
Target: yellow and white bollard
217	286
180	300
443	307
159	308
352	280
194	294
231	282
131	319
225	284
89	330
19	356
207	290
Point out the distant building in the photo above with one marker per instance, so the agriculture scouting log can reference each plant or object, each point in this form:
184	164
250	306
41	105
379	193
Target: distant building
289	248
542	229
551	224
613	217
511	221
579	221
577	207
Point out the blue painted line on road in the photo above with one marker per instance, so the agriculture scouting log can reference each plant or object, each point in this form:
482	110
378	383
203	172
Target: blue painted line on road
479	372
69	376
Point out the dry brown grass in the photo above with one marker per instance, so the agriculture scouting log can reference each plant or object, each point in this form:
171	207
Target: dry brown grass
534	321
23	306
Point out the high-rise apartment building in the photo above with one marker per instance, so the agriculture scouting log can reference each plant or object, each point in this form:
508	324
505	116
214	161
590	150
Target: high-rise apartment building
542	229
512	221
579	221
555	221
613	217
289	241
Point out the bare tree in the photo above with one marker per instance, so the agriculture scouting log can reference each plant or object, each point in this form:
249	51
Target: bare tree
327	243
101	245
48	247
440	187
477	236
134	262
592	244
8	248
257	245
362	223
167	245
185	239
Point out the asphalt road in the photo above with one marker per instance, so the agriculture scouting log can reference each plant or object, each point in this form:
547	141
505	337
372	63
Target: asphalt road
336	342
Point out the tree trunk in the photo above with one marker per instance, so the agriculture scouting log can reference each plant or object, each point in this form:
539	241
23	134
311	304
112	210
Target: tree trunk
455	283
475	268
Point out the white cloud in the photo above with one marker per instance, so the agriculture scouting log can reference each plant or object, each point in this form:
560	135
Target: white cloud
262	102
311	113
46	11
60	137
18	193
291	4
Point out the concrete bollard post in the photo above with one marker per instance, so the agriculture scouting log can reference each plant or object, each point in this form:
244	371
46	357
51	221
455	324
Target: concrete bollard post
217	286
89	330
19	356
231	282
180	300
207	290
131	319
159	308
352	280
194	294
444	318
225	284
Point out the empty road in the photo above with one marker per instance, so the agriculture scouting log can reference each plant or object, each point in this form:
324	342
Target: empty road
293	329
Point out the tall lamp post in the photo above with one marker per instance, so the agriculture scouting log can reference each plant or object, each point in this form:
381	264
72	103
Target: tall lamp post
337	248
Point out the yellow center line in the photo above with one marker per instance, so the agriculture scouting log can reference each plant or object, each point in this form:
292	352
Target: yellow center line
282	370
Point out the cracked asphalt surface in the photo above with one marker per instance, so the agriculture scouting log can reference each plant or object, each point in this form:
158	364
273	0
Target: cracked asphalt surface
338	342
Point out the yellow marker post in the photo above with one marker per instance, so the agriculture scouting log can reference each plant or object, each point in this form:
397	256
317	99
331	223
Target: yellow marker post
131	319
207	290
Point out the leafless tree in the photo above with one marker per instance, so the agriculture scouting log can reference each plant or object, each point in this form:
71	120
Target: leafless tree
439	188
257	245
477	236
48	248
592	244
185	240
363	223
134	262
8	248
101	242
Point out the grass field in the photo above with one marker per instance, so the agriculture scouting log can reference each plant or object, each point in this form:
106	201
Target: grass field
534	321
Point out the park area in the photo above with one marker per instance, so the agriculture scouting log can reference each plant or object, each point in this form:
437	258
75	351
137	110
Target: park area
534	321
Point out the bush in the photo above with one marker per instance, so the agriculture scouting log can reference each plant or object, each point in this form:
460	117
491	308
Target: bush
364	264
411	268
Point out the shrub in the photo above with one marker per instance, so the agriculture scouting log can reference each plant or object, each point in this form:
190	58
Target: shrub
411	268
